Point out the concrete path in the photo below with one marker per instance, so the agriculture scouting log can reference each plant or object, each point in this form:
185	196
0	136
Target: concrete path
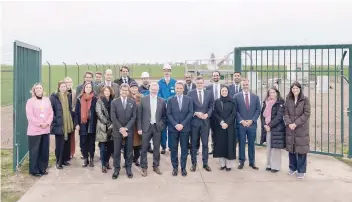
327	180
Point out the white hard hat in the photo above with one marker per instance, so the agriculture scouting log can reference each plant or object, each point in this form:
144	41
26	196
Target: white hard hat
167	66
145	75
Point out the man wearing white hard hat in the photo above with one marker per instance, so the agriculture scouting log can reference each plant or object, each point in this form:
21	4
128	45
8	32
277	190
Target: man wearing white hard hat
144	88
166	90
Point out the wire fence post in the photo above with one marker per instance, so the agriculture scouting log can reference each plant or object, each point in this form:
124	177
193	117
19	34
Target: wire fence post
65	69
78	73
49	76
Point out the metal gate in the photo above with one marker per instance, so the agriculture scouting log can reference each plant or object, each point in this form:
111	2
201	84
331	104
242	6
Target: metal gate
322	70
27	71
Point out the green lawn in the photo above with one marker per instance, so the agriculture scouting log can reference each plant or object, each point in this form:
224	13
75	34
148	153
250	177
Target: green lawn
58	72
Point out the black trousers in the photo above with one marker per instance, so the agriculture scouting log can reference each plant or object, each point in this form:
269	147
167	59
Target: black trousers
87	145
146	137
106	151
136	152
127	150
62	148
38	153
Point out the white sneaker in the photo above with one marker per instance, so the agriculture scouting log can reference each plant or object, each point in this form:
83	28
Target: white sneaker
291	172
300	175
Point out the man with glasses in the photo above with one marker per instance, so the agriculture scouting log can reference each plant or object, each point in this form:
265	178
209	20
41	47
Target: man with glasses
88	78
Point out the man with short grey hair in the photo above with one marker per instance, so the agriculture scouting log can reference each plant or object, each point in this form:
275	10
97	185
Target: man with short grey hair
108	81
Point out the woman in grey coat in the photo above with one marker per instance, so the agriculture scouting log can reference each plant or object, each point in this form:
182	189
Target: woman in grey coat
104	126
296	117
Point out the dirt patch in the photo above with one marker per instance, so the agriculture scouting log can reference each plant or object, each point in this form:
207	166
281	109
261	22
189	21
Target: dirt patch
6	126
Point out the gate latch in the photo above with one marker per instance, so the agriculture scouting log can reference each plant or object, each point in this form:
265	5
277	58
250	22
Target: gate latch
348	111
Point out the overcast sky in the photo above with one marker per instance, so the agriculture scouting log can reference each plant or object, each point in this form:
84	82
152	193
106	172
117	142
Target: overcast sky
115	32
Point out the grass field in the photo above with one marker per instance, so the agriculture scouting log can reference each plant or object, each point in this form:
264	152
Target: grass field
58	72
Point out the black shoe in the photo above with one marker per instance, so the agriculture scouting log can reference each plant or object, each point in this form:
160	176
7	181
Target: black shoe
268	169
184	172
240	166
85	163
228	169
174	172
254	167
137	163
162	151
66	163
274	171
103	169
36	174
223	168
59	166
129	174
194	167
43	172
116	174
150	151
91	163
207	168
108	166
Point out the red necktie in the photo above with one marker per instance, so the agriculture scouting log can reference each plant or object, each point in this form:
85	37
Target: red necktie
247	101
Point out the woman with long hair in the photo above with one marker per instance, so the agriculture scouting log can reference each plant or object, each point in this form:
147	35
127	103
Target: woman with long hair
296	117
225	110
40	116
273	128
72	94
104	126
85	123
62	126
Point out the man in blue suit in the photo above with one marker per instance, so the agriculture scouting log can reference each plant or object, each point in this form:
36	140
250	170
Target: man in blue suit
236	86
248	111
203	108
179	114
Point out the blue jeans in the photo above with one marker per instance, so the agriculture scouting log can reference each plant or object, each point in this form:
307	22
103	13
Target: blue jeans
297	162
250	134
182	138
106	150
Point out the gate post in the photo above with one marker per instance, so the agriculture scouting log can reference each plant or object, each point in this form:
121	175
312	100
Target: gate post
238	61
350	104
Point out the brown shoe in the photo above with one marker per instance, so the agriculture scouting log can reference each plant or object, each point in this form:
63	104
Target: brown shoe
144	172
157	170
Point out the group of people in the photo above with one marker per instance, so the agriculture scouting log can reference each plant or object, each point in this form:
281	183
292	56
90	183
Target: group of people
130	120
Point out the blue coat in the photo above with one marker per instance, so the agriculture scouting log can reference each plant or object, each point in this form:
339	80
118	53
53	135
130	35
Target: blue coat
144	91
166	90
90	126
175	116
244	114
58	119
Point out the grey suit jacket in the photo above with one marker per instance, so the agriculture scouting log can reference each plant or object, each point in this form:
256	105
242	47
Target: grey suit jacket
252	113
121	117
144	114
80	86
210	88
115	87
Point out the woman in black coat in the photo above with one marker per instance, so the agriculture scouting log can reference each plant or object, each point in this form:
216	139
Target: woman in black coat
86	122
224	131
62	125
273	128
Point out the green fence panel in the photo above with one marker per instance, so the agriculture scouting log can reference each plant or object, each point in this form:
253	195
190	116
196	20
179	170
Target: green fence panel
27	71
321	71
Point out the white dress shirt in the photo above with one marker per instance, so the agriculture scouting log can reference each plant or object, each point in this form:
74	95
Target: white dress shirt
153	106
216	85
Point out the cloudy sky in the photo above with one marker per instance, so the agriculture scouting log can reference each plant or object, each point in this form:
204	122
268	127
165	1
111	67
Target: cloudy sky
111	32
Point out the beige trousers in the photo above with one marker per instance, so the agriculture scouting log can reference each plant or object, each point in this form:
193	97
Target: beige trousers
273	155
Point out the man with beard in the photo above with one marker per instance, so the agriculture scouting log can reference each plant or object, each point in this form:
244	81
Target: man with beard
236	86
215	89
189	85
144	88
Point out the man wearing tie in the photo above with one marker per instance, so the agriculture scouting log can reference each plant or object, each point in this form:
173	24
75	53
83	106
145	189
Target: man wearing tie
123	116
189	85
108	82
179	114
248	111
151	117
203	108
124	71
215	89
236	86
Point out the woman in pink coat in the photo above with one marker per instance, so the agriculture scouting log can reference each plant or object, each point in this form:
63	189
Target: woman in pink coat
39	115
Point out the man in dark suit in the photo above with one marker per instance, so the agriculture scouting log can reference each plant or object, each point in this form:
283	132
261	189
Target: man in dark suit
248	111
123	116
215	88
88	78
189	85
108	82
179	114
236	86
203	108
151	117
124	71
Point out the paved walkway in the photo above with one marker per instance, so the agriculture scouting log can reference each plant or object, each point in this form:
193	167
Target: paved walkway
327	180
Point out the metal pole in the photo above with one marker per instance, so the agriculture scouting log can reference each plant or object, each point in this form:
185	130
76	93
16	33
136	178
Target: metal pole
78	73
350	103
49	76
88	66
96	67
65	69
